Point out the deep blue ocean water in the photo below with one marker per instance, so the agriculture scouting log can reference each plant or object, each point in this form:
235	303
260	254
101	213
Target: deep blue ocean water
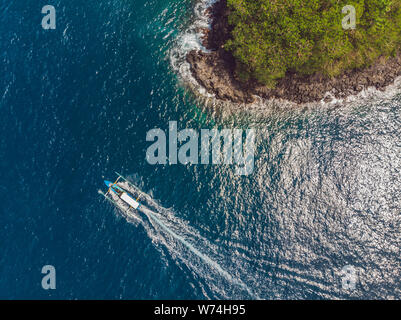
75	105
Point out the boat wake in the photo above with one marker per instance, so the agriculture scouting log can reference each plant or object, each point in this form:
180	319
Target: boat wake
190	40
181	241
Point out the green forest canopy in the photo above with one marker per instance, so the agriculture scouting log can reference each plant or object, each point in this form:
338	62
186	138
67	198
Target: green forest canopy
271	37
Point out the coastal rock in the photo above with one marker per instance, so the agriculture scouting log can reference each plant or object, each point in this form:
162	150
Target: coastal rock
215	71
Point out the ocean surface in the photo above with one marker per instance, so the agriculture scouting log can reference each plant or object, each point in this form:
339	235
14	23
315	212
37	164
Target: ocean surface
75	106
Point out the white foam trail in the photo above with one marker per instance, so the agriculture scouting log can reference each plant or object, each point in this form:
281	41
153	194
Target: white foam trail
190	39
156	218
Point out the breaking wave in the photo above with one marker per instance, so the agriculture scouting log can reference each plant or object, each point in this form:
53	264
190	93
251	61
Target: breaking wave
190	39
175	235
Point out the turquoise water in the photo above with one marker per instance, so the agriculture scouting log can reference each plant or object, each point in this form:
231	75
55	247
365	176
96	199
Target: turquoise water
76	104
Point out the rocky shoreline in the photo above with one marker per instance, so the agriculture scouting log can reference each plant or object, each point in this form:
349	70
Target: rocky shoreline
214	71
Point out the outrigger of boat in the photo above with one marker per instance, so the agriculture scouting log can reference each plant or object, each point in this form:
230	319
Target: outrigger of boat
121	193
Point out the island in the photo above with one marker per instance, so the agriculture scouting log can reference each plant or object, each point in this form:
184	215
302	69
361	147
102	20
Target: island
298	50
